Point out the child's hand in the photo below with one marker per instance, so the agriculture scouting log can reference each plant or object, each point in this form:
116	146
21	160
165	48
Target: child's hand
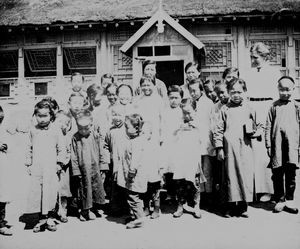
131	175
220	154
103	175
269	152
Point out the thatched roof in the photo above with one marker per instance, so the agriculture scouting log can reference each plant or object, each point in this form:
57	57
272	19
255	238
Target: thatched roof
18	12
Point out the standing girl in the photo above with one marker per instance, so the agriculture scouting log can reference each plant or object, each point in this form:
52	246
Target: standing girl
151	107
45	156
233	140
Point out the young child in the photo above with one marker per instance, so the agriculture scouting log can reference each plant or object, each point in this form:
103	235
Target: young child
77	83
282	142
154	122
209	86
125	96
4	177
186	153
204	113
45	157
173	120
117	206
230	73
219	184
88	160
132	171
63	120
111	93
236	127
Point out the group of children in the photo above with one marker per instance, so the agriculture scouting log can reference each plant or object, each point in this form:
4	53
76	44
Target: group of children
123	144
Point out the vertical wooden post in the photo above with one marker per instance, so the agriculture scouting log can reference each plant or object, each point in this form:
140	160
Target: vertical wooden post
243	57
22	90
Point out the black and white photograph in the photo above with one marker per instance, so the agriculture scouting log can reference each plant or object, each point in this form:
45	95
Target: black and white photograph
149	124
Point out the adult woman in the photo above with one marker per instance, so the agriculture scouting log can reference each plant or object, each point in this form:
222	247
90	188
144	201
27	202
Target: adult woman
149	70
192	71
262	90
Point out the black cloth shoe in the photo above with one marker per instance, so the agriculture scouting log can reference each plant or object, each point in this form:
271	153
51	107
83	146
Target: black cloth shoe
290	210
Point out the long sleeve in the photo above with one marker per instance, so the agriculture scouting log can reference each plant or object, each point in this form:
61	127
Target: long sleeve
28	153
61	148
218	134
104	153
268	128
74	158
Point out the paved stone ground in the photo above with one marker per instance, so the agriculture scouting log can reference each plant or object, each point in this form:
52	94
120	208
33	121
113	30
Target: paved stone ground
262	230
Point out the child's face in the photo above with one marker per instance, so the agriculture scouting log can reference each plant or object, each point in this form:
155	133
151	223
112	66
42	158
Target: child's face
150	70
147	87
76	104
195	91
77	83
230	76
174	99
130	129
117	117
84	126
286	89
43	117
256	60
125	95
192	73
210	93
222	94
188	113
64	122
96	101
236	93
112	95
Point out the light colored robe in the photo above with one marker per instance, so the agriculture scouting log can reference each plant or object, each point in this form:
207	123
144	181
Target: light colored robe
45	149
239	163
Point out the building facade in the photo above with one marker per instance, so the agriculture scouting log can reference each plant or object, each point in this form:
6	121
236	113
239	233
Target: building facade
37	59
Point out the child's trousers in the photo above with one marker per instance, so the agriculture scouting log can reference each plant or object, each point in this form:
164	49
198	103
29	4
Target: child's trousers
135	203
2	214
187	192
284	189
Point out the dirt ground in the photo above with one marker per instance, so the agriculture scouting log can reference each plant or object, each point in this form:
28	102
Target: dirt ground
263	230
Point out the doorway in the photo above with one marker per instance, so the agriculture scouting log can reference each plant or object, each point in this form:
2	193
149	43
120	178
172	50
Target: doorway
170	72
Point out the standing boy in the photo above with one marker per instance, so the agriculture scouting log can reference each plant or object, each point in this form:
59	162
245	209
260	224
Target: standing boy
282	142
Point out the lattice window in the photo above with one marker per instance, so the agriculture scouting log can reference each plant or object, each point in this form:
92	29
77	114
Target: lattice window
80	35
267	29
121	61
9	61
40	37
213	29
296	29
217	55
41	60
80	58
277	51
121	35
297	52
